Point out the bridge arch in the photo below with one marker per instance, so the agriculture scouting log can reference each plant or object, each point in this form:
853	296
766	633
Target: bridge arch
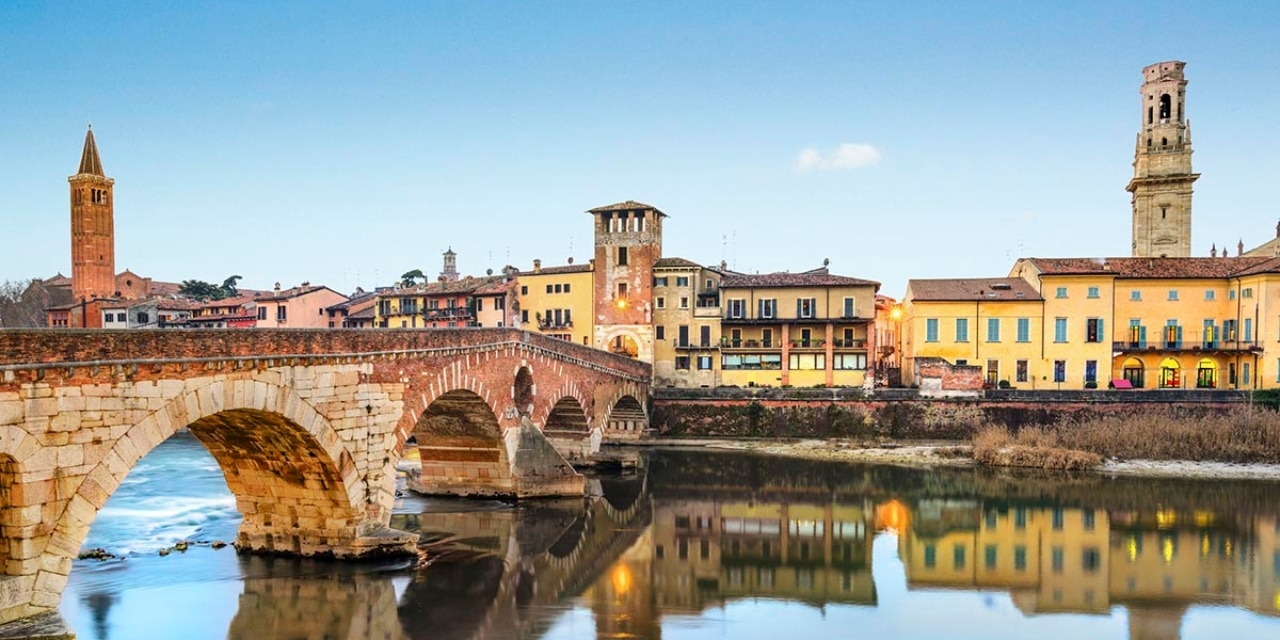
461	445
627	414
568	414
524	390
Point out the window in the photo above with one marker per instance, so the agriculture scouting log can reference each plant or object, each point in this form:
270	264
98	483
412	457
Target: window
1090	370
566	287
1091	559
993	329
1058	559
1021	371
282	313
1248	329
682	281
957	557
1231	295
1135	296
1059	370
682	363
736	307
1247	293
931	330
1209	295
1090	519
1172	335
622	260
849	308
849	361
660	303
805	307
962	329
704	363
1093	330
1020	518
622	291
1024	329
660	332
660	282
989	556
684	302
524	315
768	308
524	290
550	288
683	333
1059	329
930	556
1061	293
1093	292
1058	519
1173	295
1244	374
1020	558
384	309
704	335
144	318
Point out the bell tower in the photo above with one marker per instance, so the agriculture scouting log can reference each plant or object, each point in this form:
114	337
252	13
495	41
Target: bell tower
1162	177
93	242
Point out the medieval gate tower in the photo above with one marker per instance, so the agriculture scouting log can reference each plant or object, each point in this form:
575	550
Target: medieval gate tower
1162	177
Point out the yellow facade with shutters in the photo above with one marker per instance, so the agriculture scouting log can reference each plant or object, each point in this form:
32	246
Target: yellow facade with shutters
557	301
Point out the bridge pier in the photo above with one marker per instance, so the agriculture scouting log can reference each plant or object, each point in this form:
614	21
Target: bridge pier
523	464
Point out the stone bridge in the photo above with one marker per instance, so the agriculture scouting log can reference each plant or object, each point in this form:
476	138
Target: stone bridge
307	425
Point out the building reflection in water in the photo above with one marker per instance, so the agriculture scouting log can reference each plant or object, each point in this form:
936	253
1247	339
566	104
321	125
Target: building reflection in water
698	531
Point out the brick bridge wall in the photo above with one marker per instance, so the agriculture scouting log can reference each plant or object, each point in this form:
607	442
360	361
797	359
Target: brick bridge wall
307	426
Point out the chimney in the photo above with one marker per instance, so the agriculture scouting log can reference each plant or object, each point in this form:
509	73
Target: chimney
277	287
1240	247
537	265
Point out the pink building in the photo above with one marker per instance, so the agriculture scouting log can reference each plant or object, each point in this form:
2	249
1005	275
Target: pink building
301	307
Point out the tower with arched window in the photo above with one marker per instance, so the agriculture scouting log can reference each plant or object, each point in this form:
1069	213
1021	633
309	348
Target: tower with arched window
93	239
628	241
1162	177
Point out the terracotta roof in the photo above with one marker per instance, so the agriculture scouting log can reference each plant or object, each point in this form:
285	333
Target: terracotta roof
951	289
675	263
1271	265
90	163
464	285
497	287
368	312
294	292
814	278
58	281
1153	268
177	304
629	205
355	300
568	268
237	301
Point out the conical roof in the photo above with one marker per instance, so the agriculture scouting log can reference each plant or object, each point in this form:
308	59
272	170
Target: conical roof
90	163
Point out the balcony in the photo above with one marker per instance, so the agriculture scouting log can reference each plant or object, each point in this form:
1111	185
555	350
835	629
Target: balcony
1173	344
689	345
448	313
754	344
857	343
809	344
706	312
552	324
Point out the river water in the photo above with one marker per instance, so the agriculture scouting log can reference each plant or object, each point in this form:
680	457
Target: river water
700	544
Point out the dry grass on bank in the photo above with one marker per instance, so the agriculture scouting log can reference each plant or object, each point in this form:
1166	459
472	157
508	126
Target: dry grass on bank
1160	433
995	446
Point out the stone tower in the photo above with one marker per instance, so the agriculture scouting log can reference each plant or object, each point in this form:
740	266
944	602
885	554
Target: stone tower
628	240
1162	177
93	241
449	273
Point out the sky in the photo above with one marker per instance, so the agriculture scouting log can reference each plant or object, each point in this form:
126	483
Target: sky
347	143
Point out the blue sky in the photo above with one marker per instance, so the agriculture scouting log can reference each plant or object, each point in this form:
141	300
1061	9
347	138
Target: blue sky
347	143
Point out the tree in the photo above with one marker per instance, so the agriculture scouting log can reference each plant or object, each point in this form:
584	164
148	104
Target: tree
411	278
229	289
200	290
23	303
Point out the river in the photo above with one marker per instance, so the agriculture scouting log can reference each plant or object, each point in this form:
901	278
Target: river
703	544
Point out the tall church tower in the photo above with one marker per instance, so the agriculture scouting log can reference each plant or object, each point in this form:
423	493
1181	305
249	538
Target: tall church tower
93	241
628	239
1162	177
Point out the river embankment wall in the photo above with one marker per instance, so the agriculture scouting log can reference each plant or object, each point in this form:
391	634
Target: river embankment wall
903	413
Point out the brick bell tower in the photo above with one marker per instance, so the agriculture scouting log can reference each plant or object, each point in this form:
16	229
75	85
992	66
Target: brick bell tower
628	240
93	242
1162	177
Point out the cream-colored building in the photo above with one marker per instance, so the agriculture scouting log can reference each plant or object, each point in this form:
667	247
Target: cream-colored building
686	319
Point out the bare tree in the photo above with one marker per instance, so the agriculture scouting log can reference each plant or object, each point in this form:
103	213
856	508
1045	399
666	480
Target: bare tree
23	303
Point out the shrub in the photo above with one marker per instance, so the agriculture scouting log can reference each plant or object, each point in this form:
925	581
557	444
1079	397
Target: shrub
995	446
1091	385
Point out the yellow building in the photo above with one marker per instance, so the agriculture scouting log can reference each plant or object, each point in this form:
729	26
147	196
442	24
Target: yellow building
796	329
558	301
447	304
686	319
993	323
1157	323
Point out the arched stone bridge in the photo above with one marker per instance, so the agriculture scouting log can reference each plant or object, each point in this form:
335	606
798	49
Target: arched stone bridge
307	425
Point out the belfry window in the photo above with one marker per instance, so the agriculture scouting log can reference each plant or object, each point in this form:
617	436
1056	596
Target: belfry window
1166	107
1151	115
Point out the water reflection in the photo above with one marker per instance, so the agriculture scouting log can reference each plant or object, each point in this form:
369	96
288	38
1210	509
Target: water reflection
697	535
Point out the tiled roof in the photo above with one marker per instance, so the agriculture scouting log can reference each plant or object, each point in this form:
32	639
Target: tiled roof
814	278
367	312
291	293
177	304
629	205
568	268
448	287
675	263
58	281
237	301
356	300
1152	268
952	289
498	286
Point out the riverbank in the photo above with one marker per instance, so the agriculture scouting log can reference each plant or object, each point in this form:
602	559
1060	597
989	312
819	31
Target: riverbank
927	454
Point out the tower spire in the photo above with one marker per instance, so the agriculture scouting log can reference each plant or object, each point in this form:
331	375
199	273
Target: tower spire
90	163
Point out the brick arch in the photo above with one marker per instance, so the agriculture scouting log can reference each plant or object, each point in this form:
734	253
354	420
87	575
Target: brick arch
626	413
568	414
461	445
295	484
569	390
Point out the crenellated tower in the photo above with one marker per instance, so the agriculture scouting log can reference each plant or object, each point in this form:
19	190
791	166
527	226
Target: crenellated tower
628	240
1162	177
93	245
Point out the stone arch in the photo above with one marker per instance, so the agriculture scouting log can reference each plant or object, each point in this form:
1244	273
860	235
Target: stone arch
462	446
523	390
623	341
295	484
568	414
627	414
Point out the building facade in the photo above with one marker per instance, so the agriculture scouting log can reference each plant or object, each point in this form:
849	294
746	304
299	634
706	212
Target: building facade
628	242
301	307
557	301
686	324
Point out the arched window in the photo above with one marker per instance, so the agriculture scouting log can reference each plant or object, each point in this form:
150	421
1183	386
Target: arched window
1166	107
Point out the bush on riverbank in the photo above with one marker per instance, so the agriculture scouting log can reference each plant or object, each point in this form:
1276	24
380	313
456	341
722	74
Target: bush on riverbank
1160	433
995	446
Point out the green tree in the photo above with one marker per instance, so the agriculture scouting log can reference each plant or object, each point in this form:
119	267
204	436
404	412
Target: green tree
229	289
411	278
200	290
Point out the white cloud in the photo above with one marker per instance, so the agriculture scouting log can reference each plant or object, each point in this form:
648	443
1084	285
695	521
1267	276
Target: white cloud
845	157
